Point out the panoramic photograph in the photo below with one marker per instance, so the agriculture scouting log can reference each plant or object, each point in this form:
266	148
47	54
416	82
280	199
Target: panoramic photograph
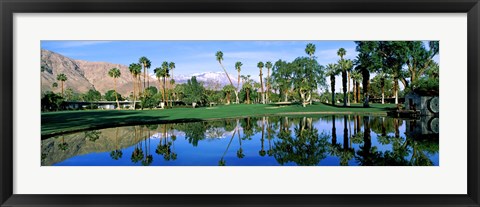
239	103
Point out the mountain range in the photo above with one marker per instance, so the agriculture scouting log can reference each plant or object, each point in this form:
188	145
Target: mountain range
84	75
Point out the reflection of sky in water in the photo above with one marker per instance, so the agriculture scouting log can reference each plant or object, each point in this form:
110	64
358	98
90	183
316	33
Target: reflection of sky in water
210	150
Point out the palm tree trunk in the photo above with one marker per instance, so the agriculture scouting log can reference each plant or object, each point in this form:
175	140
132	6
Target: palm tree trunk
348	89
62	89
238	84
395	89
228	98
344	84
161	88
164	90
261	90
140	87
366	83
354	91
144	79
231	83
116	96
134	95
268	85
358	91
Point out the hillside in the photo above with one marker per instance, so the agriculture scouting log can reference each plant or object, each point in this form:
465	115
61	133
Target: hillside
84	75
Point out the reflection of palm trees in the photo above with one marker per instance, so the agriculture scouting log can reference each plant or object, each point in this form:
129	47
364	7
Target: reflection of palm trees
270	132
347	153
165	148
334	147
247	128
307	148
366	155
148	156
137	153
262	151
117	153
93	135
63	146
222	162
421	149
194	132
240	154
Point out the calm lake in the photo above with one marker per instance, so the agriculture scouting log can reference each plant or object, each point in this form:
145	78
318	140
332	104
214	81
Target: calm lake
327	140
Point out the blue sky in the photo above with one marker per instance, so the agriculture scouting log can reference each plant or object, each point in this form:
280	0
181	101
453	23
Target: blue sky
199	56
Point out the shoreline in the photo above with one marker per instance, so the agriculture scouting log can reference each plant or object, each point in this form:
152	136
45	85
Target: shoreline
94	126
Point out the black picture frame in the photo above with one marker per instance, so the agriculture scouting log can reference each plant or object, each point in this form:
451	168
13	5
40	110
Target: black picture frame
9	7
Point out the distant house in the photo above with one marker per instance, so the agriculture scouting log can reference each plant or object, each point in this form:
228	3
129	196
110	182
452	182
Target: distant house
425	102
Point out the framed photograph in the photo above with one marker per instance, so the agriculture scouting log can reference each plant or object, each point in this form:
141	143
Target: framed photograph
264	103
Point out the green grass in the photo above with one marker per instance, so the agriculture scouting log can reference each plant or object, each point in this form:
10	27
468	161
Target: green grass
69	121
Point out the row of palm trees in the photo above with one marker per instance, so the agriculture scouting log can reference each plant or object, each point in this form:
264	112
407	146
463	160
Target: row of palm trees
246	80
345	68
162	73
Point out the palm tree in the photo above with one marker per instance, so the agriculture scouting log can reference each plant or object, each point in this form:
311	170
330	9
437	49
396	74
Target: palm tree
115	73
171	66
166	74
135	69
357	78
162	72
310	49
332	71
219	56
62	78
247	86
341	52
238	67
172	87
269	66
227	90
382	77
145	62
260	66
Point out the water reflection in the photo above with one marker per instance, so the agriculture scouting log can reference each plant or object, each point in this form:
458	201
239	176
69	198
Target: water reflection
329	140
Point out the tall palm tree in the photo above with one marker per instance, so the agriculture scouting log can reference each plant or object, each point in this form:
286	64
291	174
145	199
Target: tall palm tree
269	66
219	56
310	50
162	72
135	69
357	78
341	52
171	67
332	71
145	62
159	73
115	73
260	66
166	74
62	78
238	67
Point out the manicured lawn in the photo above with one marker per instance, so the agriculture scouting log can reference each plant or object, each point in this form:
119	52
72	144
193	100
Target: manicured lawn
69	121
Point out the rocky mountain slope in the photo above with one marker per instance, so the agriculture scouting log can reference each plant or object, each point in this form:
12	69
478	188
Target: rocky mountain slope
84	75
